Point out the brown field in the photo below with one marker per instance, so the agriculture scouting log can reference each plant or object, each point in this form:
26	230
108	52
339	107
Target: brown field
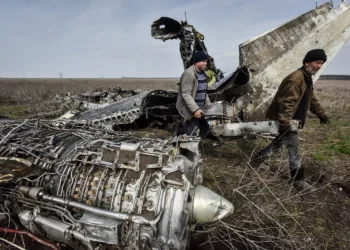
19	90
269	213
23	97
329	84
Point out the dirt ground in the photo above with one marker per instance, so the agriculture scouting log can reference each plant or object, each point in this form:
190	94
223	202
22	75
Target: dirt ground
269	213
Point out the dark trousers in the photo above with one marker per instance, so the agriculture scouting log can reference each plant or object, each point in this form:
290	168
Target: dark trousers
195	127
290	139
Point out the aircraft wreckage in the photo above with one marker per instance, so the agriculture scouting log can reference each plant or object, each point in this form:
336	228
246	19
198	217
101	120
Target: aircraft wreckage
81	179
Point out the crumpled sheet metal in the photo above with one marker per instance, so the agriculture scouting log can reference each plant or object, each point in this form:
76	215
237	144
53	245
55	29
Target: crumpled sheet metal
149	104
124	105
81	102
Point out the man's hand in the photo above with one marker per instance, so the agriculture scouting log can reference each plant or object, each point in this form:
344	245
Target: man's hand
324	120
199	113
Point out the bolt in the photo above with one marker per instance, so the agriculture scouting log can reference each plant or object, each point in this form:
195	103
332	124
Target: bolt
7	203
92	192
150	204
98	174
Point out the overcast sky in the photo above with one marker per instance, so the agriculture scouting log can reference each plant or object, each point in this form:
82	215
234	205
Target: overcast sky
111	38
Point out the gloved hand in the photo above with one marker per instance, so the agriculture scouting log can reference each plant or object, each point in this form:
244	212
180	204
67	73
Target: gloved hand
324	120
283	128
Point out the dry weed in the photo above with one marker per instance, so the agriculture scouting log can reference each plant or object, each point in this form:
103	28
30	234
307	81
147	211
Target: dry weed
269	213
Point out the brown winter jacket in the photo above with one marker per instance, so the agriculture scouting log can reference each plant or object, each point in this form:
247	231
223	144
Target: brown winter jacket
288	97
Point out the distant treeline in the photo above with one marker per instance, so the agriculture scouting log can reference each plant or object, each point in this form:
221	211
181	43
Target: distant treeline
335	77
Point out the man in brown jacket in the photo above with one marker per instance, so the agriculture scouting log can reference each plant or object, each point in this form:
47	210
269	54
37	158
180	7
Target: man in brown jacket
293	98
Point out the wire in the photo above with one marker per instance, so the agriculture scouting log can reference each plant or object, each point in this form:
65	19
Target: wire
12	244
15	231
24	178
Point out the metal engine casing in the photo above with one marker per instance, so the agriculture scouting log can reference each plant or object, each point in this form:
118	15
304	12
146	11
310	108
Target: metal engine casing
129	193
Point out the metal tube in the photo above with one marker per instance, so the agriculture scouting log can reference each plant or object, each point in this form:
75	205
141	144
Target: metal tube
120	216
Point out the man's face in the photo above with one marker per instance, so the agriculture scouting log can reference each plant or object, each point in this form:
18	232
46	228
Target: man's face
313	67
202	65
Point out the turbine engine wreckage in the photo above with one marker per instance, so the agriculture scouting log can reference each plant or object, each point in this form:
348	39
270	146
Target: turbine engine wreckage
85	189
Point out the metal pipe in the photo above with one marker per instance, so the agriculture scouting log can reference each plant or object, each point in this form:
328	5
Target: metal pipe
67	216
119	216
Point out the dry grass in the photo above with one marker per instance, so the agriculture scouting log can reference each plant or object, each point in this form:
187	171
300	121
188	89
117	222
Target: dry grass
269	213
33	95
334	96
30	89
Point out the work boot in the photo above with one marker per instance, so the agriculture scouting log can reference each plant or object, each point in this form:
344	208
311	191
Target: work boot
299	182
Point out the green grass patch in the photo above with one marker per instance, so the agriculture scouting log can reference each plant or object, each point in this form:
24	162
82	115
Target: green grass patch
331	147
342	146
333	140
320	155
13	112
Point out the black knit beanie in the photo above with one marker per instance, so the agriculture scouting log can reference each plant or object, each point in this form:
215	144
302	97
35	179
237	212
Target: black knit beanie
315	55
200	56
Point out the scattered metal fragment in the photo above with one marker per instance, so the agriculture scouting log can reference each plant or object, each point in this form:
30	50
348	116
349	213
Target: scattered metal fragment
191	40
64	103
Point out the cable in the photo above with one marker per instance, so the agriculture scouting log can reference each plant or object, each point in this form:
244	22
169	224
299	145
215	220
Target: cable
12	244
15	231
